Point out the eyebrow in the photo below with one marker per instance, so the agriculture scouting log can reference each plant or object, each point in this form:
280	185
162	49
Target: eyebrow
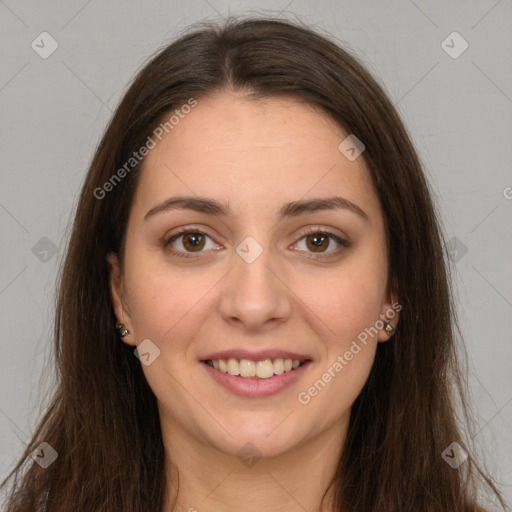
293	209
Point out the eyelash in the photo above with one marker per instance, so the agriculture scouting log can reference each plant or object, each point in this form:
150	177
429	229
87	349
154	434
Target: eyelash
181	232
184	231
344	244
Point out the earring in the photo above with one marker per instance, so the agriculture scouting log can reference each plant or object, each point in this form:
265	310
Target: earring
389	328
122	331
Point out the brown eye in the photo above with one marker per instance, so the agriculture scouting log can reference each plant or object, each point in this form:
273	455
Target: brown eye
190	242
317	242
321	243
193	241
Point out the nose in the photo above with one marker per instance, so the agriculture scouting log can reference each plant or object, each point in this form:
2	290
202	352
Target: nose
254	297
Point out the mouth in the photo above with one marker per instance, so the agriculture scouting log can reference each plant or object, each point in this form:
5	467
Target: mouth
255	370
259	377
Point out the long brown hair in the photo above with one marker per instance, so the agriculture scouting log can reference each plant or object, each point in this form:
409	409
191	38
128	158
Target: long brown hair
103	420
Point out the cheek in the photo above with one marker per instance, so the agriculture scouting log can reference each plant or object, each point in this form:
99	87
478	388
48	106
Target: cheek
167	304
169	310
345	309
161	303
346	301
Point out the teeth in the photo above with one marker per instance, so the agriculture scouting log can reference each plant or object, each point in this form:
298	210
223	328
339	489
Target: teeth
233	366
247	368
278	366
262	369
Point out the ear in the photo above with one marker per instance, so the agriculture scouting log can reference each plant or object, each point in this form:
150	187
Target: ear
118	297
390	313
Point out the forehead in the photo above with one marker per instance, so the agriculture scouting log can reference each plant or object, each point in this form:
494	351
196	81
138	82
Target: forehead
254	152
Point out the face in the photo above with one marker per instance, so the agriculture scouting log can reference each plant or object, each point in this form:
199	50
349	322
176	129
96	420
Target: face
276	252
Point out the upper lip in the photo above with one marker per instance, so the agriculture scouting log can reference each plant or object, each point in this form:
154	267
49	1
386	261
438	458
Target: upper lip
260	355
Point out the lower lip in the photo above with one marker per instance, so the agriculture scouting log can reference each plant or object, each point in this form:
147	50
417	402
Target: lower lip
254	387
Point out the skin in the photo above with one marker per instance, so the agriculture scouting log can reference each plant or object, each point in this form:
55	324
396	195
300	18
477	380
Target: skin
255	155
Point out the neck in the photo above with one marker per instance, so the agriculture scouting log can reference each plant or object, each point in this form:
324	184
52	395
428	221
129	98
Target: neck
213	481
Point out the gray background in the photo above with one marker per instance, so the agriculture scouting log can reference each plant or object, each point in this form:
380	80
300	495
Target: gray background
458	111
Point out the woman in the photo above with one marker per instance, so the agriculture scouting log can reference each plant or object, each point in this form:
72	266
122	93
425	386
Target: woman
254	312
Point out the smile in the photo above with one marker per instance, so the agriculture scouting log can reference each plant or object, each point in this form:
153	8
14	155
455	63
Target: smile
256	379
248	369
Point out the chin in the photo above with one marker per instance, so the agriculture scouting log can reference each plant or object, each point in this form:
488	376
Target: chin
261	440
